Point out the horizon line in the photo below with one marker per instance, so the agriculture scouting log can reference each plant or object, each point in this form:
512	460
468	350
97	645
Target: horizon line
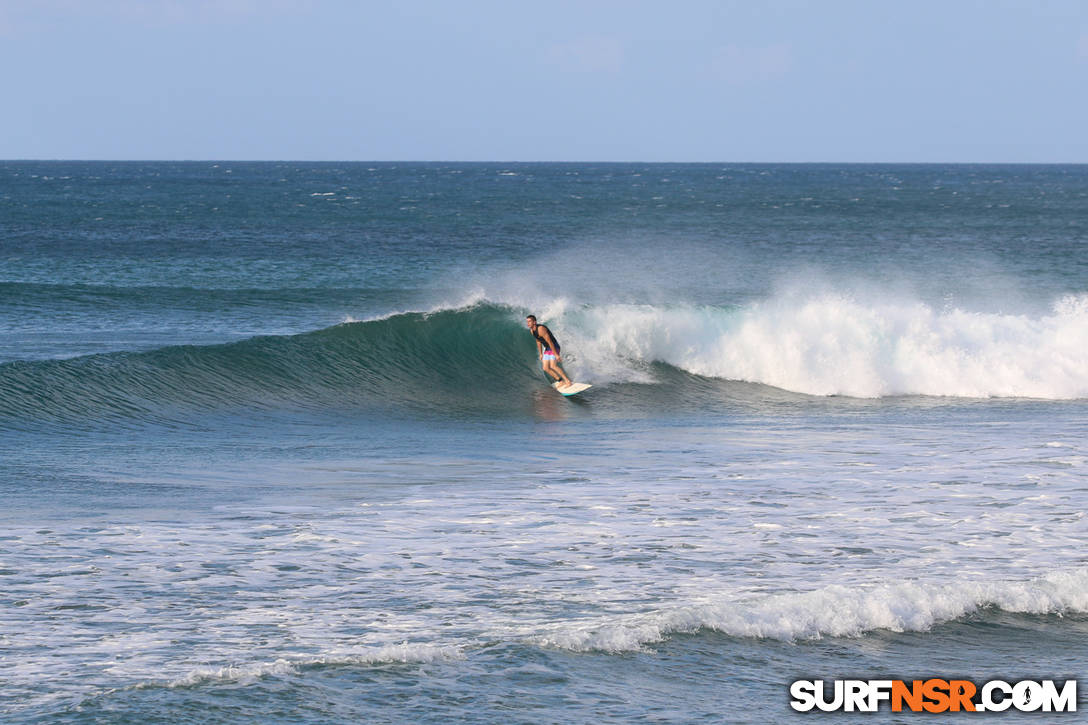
534	161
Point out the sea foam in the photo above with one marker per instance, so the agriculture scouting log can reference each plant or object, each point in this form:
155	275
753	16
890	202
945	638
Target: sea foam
833	611
835	344
404	653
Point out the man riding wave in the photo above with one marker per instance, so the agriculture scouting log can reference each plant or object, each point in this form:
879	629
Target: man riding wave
547	348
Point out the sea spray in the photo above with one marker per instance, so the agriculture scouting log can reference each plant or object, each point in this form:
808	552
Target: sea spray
838	345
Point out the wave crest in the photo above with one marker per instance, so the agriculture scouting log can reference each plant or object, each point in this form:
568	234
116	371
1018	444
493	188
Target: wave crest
834	611
836	345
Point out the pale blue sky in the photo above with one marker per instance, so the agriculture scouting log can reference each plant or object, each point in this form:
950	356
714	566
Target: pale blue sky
581	80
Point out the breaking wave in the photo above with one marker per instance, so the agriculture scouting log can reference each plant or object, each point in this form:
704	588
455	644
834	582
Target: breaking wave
825	345
834	611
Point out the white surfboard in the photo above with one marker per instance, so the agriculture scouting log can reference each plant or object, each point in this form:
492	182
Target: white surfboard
572	389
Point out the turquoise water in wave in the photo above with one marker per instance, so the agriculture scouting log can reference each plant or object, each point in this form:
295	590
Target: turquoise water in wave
275	446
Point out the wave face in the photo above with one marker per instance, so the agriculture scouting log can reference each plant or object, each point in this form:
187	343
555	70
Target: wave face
824	345
423	360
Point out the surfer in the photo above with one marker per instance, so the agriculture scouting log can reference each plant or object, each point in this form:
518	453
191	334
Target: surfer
548	349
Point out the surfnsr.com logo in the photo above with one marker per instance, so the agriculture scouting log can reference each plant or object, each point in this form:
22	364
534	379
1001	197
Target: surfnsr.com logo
934	695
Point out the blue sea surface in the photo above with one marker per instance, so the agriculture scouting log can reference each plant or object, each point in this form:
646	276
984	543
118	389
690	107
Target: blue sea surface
275	444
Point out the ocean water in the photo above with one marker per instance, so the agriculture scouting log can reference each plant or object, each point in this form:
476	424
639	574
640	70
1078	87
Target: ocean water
275	445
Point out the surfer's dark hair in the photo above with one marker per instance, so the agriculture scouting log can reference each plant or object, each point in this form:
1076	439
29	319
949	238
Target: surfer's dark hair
531	317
